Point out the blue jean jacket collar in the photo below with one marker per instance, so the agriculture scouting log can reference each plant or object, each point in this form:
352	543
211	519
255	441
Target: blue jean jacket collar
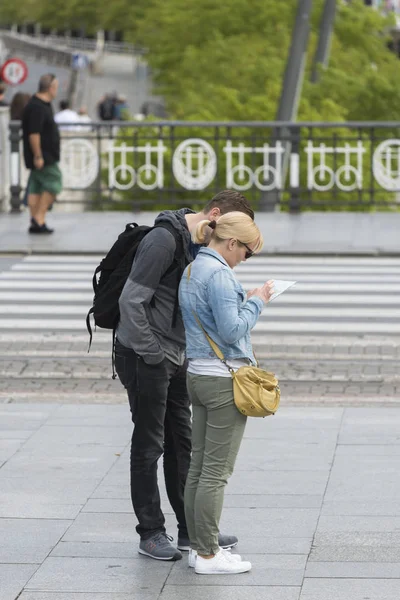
215	254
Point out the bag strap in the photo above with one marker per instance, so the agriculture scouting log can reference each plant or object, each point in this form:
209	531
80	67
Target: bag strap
213	345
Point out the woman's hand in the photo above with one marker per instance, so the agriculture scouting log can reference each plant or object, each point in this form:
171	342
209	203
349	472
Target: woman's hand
264	292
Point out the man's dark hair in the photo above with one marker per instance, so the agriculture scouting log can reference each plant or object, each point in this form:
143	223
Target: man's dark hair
228	201
45	82
64	104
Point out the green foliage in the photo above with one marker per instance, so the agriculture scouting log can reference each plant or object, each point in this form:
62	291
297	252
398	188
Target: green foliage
89	15
226	60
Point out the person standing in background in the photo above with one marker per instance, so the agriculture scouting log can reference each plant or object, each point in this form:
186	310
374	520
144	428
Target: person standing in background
3	89
17	106
65	116
84	118
42	153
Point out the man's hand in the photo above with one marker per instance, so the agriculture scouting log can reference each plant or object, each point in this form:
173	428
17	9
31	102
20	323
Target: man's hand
38	162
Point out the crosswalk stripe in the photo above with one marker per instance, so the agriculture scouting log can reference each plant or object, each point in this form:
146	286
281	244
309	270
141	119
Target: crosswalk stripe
86	298
333	296
57	268
43	309
277	269
248	283
62	258
272	311
33	275
365	327
29	296
291	260
245	277
40	284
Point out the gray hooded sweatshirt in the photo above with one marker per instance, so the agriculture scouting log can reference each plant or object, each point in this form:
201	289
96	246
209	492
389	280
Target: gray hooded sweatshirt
148	299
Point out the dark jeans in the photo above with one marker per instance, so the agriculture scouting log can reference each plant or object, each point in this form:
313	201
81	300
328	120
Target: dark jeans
160	410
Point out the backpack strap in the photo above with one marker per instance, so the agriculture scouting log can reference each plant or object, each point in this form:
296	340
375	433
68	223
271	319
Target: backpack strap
89	327
94	280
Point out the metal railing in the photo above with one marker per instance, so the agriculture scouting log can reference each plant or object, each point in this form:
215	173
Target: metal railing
85	44
67	42
298	166
37	49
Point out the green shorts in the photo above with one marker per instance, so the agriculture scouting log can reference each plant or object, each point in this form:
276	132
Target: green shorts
48	179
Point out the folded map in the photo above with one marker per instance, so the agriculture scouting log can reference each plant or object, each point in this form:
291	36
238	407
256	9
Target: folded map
280	286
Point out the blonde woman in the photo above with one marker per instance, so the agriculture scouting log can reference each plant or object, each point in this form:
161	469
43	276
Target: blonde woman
213	297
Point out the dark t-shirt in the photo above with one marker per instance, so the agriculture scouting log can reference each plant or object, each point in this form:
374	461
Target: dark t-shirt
38	118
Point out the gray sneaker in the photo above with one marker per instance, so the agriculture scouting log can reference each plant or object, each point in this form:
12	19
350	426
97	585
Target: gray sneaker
159	547
224	541
227	541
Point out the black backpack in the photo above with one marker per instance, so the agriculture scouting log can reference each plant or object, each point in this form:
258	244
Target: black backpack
114	270
107	110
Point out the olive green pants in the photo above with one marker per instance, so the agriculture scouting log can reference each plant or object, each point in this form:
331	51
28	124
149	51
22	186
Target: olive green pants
217	433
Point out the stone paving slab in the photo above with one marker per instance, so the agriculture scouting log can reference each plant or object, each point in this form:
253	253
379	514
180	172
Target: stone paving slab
354	570
22	505
29	540
272	500
103	549
13	578
64	574
173	592
350	589
318	520
79	596
360	507
285	482
356	546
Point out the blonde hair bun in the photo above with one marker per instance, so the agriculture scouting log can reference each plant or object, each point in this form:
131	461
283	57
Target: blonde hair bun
233	225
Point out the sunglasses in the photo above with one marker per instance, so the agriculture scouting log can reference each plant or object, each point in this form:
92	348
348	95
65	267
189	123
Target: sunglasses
249	252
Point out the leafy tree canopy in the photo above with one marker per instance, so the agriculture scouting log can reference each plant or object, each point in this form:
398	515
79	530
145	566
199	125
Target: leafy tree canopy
226	60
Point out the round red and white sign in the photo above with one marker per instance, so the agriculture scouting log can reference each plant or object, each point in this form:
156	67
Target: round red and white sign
14	71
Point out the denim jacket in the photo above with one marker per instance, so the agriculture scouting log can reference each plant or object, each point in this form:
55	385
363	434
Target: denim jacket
220	302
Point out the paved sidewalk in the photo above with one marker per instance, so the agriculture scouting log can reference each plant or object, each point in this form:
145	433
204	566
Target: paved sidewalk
305	233
314	501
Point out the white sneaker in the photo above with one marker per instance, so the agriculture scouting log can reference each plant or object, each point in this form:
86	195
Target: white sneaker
193	555
220	564
192	558
230	556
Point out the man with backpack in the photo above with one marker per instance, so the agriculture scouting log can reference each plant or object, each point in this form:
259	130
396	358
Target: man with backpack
150	362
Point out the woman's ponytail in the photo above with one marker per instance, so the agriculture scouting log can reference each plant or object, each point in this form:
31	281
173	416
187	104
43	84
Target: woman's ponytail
199	234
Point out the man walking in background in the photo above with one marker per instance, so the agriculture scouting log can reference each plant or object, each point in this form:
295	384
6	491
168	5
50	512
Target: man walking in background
42	153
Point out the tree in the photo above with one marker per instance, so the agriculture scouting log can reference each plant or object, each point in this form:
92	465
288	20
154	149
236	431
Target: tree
90	15
226	60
